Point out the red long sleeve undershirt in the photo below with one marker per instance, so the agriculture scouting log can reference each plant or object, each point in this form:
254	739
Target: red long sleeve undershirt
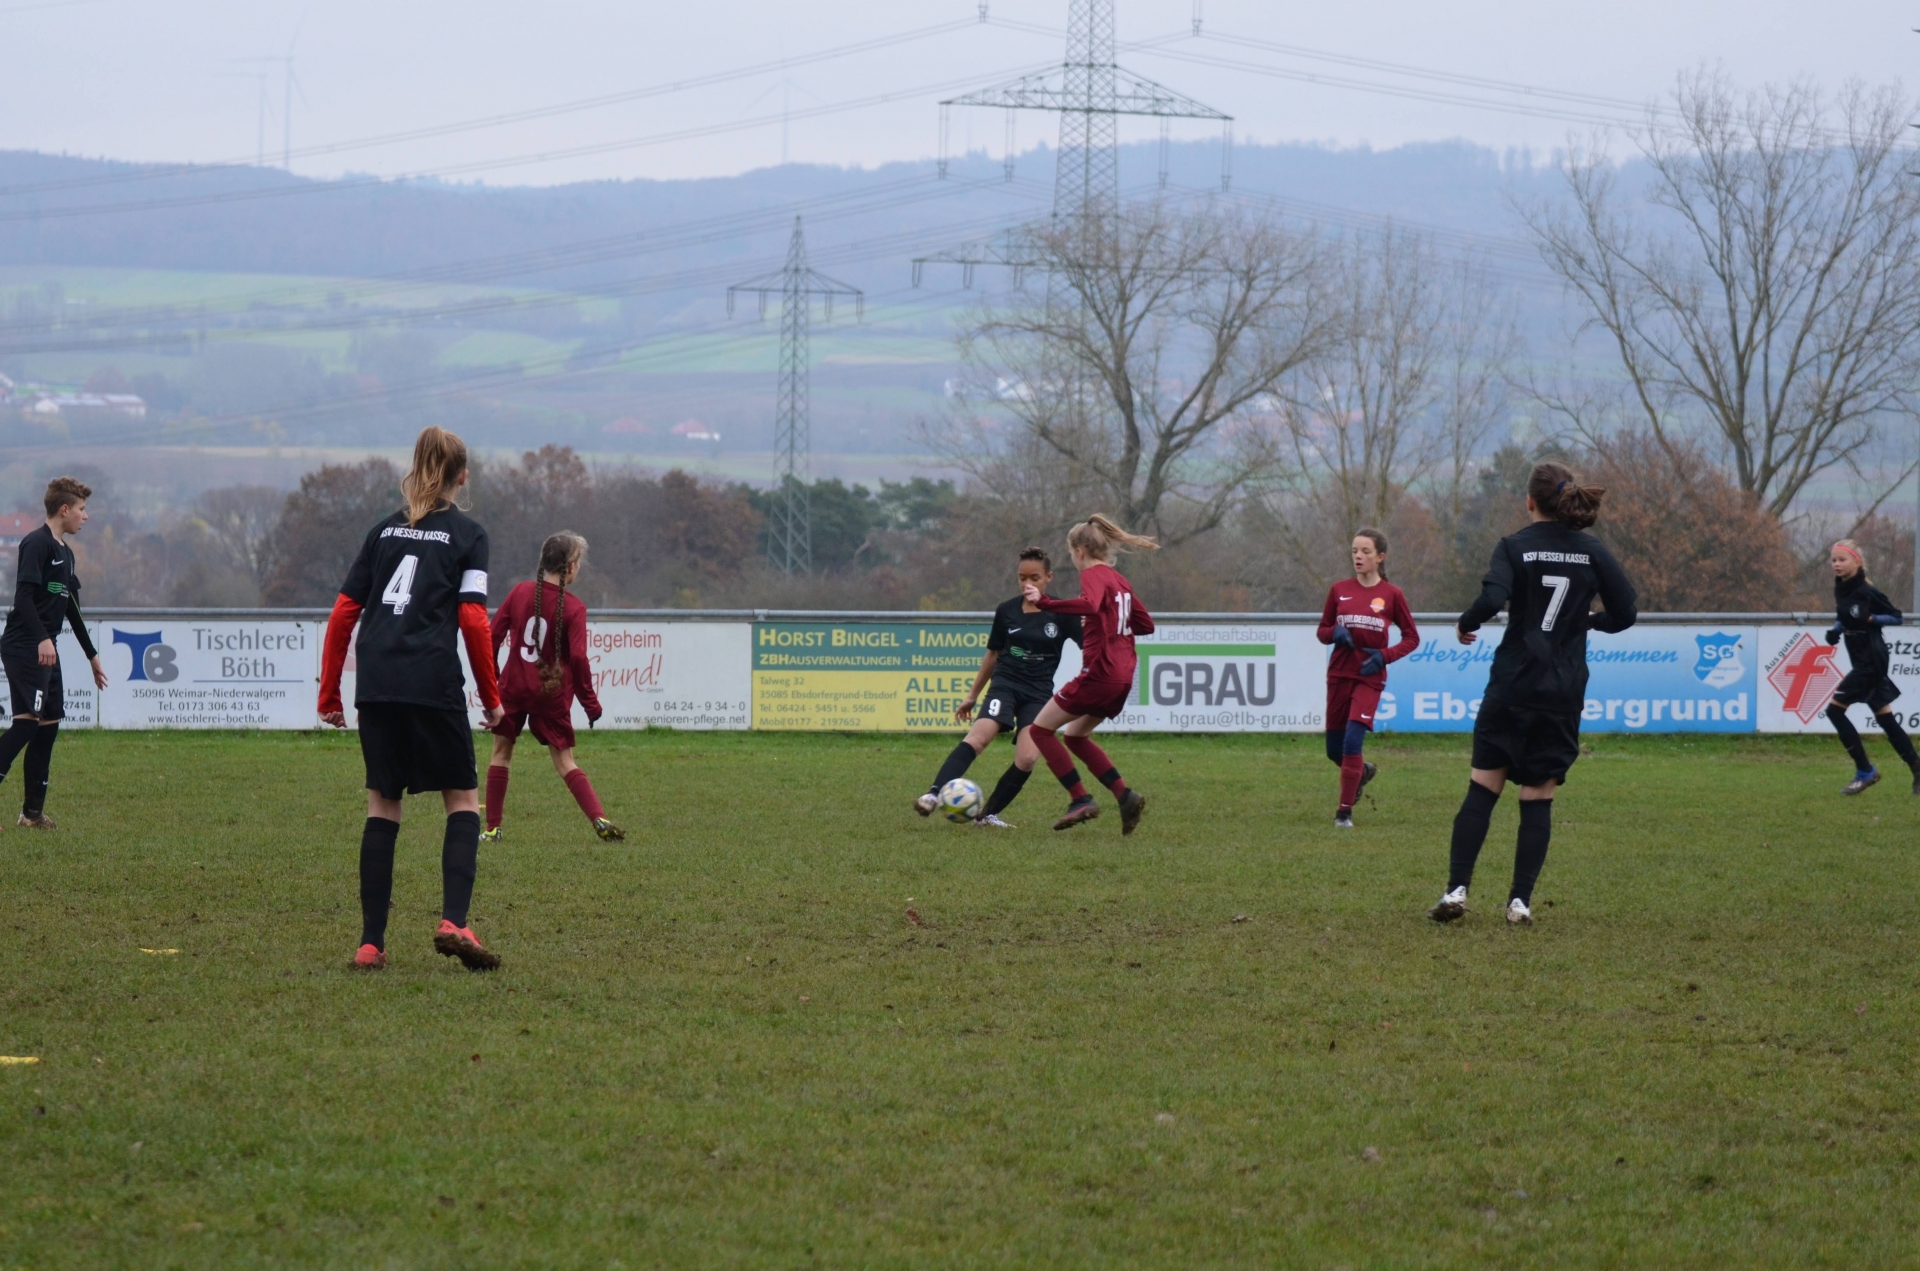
474	630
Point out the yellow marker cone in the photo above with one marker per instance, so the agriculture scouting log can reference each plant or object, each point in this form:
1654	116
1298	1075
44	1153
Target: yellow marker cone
10	1060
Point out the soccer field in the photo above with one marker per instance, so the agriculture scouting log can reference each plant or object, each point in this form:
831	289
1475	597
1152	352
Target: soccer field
1231	1039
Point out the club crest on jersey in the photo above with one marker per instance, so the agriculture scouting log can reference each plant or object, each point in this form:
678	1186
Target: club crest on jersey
1719	664
1378	604
1052	629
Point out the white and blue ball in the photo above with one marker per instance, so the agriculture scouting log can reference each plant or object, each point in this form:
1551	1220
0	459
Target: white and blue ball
961	801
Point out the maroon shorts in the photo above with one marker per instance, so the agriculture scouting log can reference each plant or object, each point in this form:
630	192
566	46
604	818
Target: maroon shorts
1105	698
549	728
1351	699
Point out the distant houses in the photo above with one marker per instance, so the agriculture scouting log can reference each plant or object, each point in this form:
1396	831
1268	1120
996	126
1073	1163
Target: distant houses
126	405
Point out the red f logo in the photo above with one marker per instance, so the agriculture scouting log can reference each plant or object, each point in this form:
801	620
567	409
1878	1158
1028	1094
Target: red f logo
1805	677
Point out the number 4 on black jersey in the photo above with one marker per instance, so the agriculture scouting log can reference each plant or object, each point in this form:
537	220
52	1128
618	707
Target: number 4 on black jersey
1548	576
411	580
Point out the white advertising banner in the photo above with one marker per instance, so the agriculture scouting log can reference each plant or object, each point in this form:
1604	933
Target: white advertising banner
1223	678
1799	672
687	675
188	674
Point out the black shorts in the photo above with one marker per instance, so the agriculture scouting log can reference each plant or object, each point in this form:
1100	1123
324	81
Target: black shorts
36	689
413	749
1871	687
1012	708
1534	746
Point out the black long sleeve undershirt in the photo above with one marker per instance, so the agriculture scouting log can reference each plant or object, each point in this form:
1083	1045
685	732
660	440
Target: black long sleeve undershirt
24	598
80	629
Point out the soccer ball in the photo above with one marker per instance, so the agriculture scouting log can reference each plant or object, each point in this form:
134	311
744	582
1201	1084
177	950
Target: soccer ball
960	801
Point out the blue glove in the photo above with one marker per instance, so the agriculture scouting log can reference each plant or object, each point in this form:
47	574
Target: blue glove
1374	662
1342	636
1833	633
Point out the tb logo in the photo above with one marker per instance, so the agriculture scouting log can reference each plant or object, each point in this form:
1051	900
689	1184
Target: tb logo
152	660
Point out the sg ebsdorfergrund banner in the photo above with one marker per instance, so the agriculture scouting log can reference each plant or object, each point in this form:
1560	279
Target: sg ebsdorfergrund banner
1650	678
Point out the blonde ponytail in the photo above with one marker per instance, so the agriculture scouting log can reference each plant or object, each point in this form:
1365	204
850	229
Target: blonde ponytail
1100	538
439	457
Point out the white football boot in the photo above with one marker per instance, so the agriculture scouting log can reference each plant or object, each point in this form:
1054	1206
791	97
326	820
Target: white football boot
926	803
1452	905
1518	914
992	822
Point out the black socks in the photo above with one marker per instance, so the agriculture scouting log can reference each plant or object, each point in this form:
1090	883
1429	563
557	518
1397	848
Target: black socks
33	799
1849	736
1902	744
459	864
1530	849
956	765
376	879
15	740
1469	833
1008	790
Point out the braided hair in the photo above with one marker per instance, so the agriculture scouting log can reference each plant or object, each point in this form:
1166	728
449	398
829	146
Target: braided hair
559	555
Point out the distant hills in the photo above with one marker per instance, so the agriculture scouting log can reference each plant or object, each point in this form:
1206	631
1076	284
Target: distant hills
235	300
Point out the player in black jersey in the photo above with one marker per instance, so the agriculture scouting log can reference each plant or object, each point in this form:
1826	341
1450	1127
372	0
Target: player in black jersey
1528	728
418	587
46	594
1023	652
1864	613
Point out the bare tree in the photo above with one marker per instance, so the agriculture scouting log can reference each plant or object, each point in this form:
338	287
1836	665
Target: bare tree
1383	423
239	520
1775	287
1162	336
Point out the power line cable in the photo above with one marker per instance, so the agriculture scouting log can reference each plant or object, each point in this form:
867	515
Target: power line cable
510	117
489	165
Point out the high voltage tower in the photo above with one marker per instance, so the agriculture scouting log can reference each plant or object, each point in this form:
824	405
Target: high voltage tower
1089	91
790	529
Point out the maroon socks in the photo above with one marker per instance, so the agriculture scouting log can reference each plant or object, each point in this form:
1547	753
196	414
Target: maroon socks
1059	762
496	795
584	796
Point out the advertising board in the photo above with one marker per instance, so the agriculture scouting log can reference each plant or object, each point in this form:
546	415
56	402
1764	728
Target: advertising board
1223	678
187	674
1648	678
685	675
688	675
863	676
1799	672
1200	676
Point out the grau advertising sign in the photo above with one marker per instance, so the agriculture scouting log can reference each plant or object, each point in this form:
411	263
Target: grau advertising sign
1223	678
1649	678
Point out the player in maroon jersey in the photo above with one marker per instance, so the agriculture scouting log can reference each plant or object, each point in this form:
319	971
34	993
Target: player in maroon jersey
547	667
1355	623
1109	619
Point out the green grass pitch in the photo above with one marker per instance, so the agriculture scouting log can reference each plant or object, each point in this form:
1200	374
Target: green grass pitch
1232	1039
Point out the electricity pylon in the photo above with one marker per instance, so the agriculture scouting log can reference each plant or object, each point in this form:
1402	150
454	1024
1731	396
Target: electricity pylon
1089	92
790	528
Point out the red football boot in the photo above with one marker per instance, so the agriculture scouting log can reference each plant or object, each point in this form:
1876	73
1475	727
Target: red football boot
370	958
461	943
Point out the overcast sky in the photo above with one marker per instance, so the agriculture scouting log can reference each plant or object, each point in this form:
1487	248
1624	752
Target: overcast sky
169	79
